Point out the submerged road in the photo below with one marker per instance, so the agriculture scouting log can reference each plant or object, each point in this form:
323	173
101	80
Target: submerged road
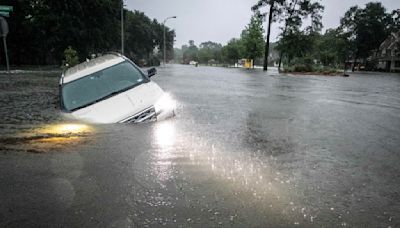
246	149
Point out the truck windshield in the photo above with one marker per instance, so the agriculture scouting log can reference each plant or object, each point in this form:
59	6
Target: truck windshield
100	85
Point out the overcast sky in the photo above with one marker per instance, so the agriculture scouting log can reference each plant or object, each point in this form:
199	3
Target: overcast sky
221	20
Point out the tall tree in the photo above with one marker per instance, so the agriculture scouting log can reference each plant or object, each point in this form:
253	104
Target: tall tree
252	38
294	13
291	12
275	8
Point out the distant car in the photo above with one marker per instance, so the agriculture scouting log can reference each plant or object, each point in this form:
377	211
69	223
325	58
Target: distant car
112	89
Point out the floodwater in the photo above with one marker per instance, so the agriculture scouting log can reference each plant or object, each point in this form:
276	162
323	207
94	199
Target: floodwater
246	149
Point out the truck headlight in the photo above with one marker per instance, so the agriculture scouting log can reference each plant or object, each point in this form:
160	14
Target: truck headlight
164	104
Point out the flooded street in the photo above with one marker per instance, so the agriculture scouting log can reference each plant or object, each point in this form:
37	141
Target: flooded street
246	149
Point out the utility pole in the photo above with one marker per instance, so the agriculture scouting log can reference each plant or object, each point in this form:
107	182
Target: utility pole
165	49
122	27
5	49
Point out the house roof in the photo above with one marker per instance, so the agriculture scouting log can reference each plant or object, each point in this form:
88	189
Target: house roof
391	42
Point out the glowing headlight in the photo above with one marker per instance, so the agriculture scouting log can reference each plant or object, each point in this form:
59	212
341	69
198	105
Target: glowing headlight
165	103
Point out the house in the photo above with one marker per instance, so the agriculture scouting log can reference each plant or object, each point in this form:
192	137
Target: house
388	54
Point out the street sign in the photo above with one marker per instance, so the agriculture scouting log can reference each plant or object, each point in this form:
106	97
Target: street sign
6	8
3	27
4	14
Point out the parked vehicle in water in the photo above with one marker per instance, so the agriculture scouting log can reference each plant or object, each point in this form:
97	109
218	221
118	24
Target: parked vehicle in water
112	89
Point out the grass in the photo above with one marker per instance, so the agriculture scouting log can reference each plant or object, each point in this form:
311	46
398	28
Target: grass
321	70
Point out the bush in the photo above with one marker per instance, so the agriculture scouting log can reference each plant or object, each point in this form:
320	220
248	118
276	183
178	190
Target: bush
70	58
302	68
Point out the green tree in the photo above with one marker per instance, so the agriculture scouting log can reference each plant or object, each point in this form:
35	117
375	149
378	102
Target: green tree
331	48
252	38
232	51
274	12
366	28
139	35
291	12
191	53
209	51
40	30
294	12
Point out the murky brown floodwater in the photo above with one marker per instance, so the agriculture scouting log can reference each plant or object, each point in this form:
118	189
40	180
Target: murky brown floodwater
246	149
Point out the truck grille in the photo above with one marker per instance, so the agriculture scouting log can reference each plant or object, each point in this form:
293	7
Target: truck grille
146	115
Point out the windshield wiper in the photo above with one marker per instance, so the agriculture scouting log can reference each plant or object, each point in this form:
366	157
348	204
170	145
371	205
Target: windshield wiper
98	100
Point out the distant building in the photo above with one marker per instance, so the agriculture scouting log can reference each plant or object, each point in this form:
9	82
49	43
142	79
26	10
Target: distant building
388	54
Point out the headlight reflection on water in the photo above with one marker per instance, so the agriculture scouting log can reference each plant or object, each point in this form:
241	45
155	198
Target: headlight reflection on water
66	129
246	176
54	136
164	139
165	135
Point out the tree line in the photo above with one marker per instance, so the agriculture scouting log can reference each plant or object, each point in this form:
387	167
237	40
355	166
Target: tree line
359	35
41	30
248	46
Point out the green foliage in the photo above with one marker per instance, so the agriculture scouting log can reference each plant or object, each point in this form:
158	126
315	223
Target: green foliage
41	30
252	38
366	28
362	30
70	58
209	52
302	68
190	53
331	48
249	46
232	51
297	44
277	10
291	12
142	35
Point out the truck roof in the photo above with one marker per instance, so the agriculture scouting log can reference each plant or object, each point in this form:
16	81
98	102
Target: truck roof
90	67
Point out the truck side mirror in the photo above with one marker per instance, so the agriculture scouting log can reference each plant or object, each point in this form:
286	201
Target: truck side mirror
151	72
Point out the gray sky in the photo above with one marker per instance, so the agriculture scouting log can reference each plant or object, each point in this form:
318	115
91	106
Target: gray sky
221	20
